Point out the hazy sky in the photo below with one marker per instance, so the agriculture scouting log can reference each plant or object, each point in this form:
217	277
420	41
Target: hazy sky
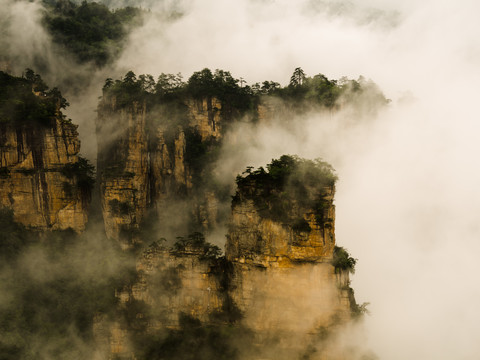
408	198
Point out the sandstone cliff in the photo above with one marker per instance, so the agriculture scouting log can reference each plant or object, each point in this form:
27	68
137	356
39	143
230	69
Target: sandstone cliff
278	292
277	278
261	241
41	177
170	284
283	279
148	161
123	168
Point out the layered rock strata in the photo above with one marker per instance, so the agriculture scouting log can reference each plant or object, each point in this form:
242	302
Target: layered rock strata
283	277
277	280
33	181
143	163
169	284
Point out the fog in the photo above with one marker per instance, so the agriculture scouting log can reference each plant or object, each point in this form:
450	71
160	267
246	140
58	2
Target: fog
407	200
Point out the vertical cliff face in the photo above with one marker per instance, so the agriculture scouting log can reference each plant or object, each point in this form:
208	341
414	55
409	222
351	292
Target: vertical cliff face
278	278
282	248
205	116
37	180
178	281
276	260
265	242
123	167
149	161
170	284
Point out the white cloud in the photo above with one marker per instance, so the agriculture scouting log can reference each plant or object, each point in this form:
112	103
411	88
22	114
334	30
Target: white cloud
408	198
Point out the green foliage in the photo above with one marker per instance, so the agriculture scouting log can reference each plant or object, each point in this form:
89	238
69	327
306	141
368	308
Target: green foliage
323	91
196	241
170	92
359	310
200	155
27	100
195	341
301	94
169	86
127	91
83	172
298	77
235	99
304	93
90	31
342	260
287	181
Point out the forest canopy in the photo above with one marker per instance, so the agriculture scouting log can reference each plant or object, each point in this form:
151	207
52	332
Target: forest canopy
90	31
301	94
28	100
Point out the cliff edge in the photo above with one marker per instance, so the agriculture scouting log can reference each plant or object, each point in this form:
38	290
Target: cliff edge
42	177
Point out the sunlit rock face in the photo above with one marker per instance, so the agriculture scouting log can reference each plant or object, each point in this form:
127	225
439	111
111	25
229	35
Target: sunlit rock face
150	157
143	162
261	241
33	181
123	167
276	280
175	282
206	116
169	284
283	280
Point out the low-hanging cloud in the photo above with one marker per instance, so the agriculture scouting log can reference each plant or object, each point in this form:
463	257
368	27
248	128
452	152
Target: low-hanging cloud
407	199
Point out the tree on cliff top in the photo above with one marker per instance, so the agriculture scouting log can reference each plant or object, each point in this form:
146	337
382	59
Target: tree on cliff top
27	100
298	77
304	92
90	31
169	88
288	181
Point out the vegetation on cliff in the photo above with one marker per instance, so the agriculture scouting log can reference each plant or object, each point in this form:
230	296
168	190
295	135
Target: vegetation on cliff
27	100
194	340
84	173
289	187
219	338
90	31
196	242
171	89
31	112
54	285
342	261
302	93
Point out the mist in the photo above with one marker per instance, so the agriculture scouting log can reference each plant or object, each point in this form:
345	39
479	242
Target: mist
407	199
